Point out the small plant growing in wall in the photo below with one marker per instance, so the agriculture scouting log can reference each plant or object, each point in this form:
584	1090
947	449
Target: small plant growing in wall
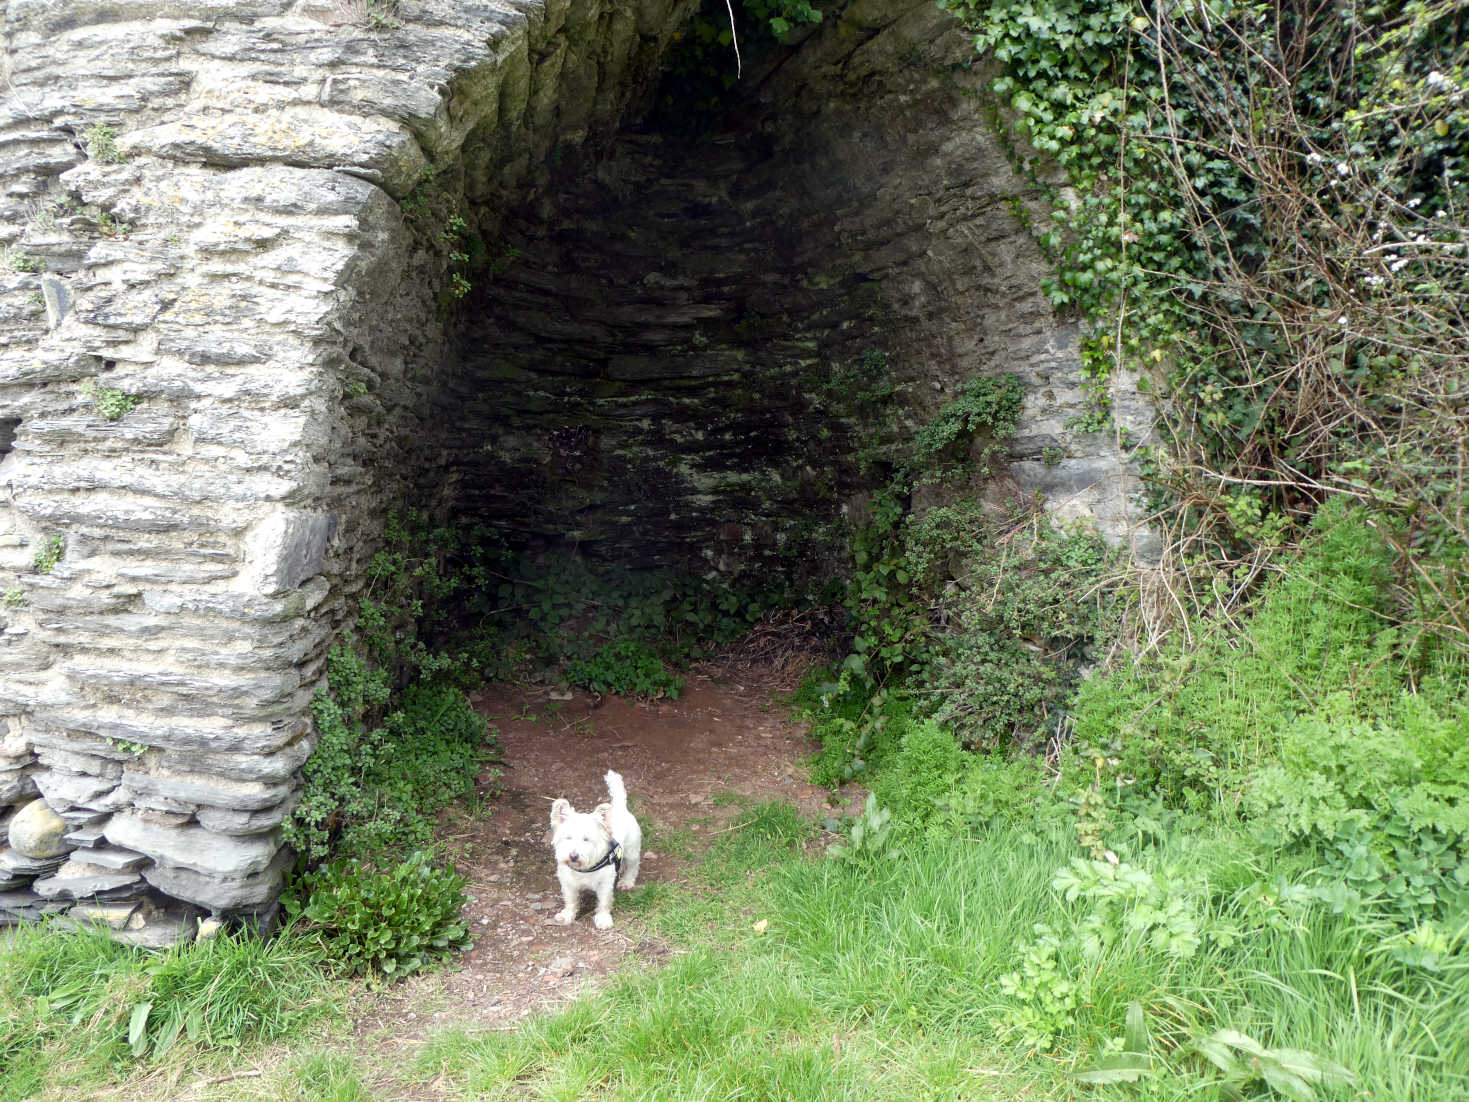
109	226
375	15
14	597
49	554
24	262
102	145
109	403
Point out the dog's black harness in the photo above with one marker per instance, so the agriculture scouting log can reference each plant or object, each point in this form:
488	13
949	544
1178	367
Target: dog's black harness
613	858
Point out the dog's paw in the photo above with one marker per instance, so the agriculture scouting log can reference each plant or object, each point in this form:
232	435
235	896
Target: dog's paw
625	885
566	917
602	920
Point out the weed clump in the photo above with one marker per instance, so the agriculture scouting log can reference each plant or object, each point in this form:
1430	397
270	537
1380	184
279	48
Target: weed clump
384	923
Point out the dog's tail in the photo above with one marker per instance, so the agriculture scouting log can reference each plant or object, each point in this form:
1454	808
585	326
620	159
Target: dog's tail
616	790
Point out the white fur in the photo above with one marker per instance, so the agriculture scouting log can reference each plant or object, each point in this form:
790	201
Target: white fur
581	840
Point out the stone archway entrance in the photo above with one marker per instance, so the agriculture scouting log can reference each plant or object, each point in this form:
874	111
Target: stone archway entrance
209	216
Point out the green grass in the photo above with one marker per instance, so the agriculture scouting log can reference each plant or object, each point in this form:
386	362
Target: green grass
882	979
77	1009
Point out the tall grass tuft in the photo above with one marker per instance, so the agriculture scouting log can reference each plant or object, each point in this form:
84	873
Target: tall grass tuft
77	1004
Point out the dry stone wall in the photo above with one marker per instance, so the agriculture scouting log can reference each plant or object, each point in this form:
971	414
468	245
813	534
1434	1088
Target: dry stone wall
227	351
201	216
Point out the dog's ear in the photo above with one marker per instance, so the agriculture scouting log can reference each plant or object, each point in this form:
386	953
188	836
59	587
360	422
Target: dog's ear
603	813
559	811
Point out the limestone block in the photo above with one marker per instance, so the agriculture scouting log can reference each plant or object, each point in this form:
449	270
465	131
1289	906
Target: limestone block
194	848
240	606
87	836
51	18
205	347
22	904
278	765
263	688
141	428
418	106
21	865
37	831
129	797
285	549
159	932
92	765
208	736
110	857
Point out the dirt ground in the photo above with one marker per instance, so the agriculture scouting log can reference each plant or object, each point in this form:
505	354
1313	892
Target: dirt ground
726	733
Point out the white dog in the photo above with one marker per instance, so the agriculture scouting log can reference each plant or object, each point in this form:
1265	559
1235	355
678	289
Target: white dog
595	851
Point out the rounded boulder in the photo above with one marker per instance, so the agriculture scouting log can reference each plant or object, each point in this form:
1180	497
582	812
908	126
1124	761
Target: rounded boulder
36	831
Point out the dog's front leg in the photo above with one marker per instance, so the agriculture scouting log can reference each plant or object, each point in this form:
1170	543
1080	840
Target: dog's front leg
569	895
603	918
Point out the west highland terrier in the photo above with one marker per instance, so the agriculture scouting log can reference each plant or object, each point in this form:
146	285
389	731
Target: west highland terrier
595	851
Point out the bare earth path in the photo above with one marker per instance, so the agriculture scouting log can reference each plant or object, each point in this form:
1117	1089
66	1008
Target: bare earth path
725	734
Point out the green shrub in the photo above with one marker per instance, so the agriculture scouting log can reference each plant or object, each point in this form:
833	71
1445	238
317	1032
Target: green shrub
564	608
1385	802
1189	725
1005	788
856	732
1019	618
917	785
374	788
626	667
385	923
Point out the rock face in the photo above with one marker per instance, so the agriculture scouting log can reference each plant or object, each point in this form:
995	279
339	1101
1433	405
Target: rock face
234	334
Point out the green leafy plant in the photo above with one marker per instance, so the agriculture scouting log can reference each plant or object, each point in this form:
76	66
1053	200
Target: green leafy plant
382	15
704	68
112	227
109	403
1044	993
101	142
49	553
24	262
871	835
986	411
14	597
385	923
1290	1072
1193	156
1129	1063
921	775
373	786
626	667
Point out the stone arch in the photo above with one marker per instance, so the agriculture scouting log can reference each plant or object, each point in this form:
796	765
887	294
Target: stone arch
207	207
